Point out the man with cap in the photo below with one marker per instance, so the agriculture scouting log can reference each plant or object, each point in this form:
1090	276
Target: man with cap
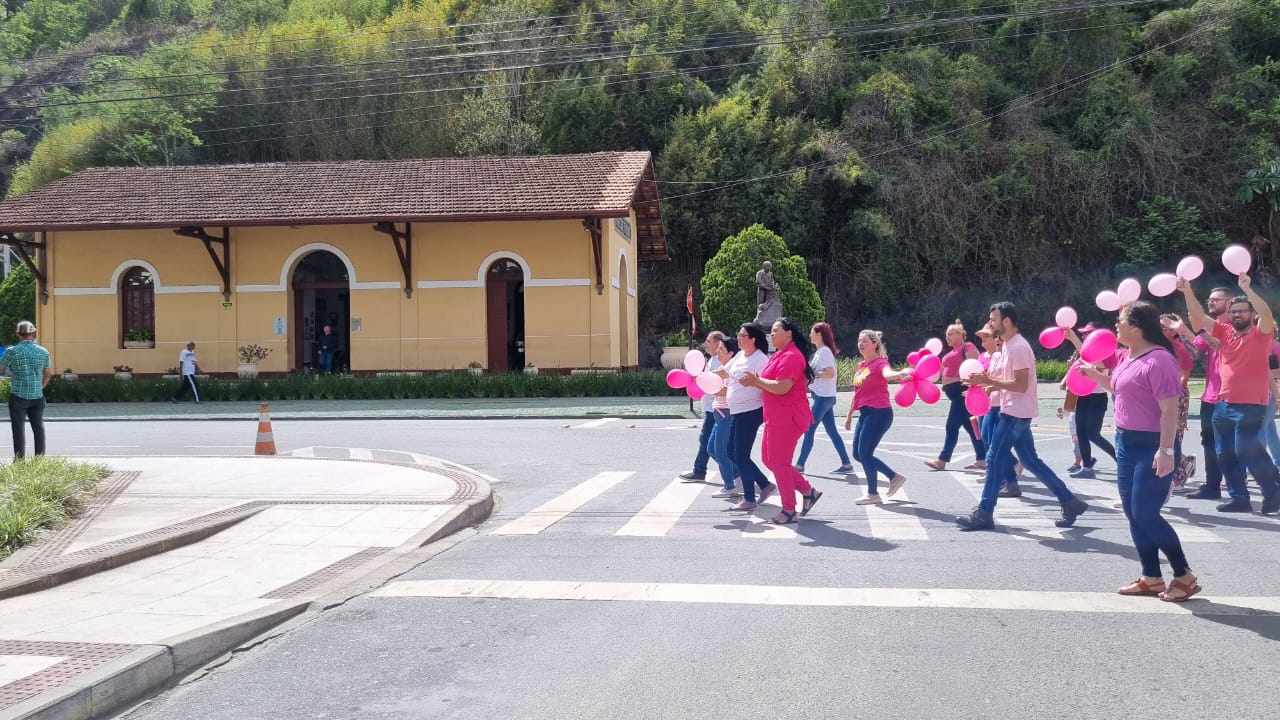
31	368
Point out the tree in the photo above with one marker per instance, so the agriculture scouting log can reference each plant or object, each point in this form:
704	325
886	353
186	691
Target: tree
729	283
17	299
1165	231
1264	182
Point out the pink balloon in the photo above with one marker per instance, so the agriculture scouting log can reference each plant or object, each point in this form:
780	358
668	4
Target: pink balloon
1108	300
694	391
1077	382
1052	337
709	382
678	378
1236	259
913	357
694	361
925	351
928	392
934	345
927	366
1130	289
1065	317
906	394
1163	284
977	401
969	367
1190	267
1100	345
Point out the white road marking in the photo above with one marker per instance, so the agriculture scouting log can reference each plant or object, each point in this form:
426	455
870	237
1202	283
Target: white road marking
948	598
889	524
555	509
359	453
1013	512
113	446
760	527
305	452
593	424
1107	494
664	510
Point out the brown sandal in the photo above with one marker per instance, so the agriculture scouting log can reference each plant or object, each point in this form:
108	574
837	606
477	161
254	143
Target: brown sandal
1181	589
1142	587
936	464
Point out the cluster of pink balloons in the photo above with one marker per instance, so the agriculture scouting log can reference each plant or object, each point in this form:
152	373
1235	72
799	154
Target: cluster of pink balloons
976	399
917	382
1097	347
1236	259
1052	337
692	378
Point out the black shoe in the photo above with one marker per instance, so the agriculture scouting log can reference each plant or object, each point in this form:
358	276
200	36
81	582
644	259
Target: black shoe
1271	503
692	475
1011	489
979	519
1071	509
1206	493
1236	505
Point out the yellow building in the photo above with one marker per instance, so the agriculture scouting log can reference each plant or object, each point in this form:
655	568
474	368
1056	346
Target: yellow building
417	264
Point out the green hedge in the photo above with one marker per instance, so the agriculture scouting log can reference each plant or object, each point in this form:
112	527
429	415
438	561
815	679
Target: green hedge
361	387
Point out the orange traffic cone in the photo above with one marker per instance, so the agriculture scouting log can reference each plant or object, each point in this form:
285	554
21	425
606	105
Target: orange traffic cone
266	444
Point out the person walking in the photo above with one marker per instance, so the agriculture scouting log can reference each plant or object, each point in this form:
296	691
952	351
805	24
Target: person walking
1091	410
328	349
875	415
722	431
188	366
958	414
1147	387
699	471
1185	353
30	368
747	408
1243	346
786	415
991	347
1013	373
823	388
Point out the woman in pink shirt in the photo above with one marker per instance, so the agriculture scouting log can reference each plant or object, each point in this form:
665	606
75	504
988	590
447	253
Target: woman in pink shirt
787	417
875	414
1146	386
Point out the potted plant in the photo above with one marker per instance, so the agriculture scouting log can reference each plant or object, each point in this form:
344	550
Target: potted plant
123	372
475	368
70	375
250	356
530	369
139	338
674	347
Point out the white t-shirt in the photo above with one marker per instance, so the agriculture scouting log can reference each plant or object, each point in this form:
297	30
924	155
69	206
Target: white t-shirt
712	365
187	361
823	359
743	399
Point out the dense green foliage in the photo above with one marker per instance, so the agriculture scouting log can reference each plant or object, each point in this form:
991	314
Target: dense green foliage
17	301
729	286
923	157
41	493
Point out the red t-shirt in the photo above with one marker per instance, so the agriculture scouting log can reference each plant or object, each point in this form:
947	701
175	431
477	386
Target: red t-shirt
792	407
1243	365
870	389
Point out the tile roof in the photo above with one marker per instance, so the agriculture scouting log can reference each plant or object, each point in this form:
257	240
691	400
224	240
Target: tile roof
604	184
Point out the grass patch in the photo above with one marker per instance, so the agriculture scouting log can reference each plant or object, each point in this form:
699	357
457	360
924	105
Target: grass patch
41	493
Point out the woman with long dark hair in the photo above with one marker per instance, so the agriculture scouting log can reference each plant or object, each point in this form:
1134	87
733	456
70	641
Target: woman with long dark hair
823	388
747	409
958	414
786	415
1146	386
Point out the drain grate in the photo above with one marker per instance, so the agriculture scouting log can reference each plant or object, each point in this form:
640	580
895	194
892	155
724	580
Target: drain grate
81	658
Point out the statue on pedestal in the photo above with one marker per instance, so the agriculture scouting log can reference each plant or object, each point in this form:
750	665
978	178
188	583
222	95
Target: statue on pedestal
768	303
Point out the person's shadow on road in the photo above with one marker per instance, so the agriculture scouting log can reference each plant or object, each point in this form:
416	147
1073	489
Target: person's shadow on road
1263	622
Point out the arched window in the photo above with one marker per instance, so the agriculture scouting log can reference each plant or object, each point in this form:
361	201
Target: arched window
137	307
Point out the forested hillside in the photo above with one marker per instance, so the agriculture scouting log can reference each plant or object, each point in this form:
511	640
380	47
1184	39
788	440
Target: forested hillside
925	156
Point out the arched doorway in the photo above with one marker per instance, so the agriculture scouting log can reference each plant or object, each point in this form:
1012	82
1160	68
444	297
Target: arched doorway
624	333
321	296
504	315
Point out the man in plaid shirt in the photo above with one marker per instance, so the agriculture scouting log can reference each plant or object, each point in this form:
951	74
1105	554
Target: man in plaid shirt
30	367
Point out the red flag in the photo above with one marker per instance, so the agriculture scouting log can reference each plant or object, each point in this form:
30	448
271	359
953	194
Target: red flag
688	300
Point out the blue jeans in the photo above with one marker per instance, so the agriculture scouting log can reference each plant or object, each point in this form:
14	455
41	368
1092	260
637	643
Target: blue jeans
823	412
326	360
22	410
1269	434
1014	433
718	446
704	447
873	423
1142	493
1238	428
988	426
743	437
1212	472
958	417
1091	409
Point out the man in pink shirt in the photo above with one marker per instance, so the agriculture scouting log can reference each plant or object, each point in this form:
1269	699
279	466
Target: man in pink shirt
1244	346
1215	307
1013	373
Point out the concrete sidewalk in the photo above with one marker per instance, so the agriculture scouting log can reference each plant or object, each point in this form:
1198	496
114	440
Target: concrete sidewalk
179	560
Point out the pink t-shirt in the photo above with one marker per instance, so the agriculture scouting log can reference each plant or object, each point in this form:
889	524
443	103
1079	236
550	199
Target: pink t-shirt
870	389
792	407
1246	376
1185	361
1212	380
951	361
1140	384
1018	355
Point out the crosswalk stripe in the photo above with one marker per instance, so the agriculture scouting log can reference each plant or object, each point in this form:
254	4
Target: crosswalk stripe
1107	495
889	524
594	423
554	510
760	527
359	453
664	510
1013	513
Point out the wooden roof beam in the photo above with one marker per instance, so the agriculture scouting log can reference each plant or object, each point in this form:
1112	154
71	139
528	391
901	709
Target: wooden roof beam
403	252
223	264
24	248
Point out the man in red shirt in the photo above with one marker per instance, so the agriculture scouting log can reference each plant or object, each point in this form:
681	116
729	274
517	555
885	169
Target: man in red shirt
1244	347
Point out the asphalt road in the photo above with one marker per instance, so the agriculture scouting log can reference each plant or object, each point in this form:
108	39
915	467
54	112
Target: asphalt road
646	599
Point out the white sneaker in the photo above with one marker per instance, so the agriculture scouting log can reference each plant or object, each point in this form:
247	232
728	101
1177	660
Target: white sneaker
731	493
896	484
868	500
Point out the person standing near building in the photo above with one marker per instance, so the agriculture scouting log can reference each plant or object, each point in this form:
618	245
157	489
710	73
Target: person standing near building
1244	345
188	366
328	349
30	367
